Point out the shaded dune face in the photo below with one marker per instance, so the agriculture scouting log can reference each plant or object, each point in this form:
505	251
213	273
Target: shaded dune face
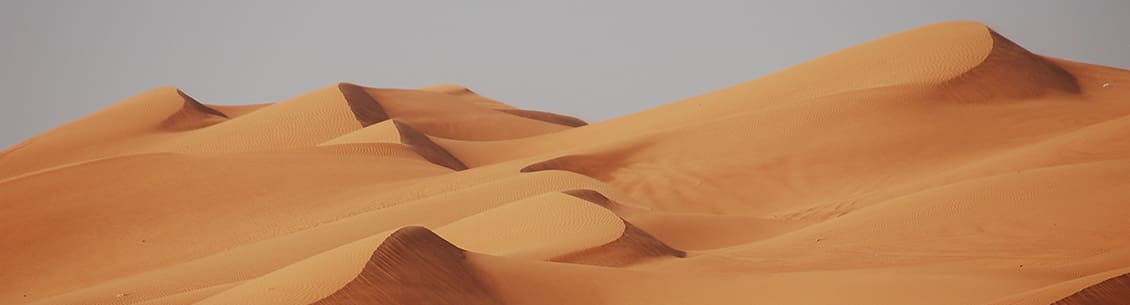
414	266
546	117
424	146
367	110
1009	71
600	165
592	196
586	165
634	245
1115	290
599	199
192	115
658	169
466	117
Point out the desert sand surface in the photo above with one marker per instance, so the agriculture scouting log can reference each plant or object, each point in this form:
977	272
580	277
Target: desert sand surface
941	165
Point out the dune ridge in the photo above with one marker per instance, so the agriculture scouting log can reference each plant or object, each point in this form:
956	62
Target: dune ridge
192	115
599	165
367	110
547	117
603	201
110	131
414	266
1024	75
460	90
634	245
941	165
426	148
1109	291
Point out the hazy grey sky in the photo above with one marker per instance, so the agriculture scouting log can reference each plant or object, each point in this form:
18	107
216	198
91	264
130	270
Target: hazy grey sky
61	60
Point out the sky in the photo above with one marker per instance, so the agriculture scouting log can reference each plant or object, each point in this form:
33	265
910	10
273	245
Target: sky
61	60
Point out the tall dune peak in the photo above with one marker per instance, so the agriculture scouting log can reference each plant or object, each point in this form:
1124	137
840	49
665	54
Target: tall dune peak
367	110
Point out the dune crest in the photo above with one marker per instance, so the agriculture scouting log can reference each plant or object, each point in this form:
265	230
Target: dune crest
1009	71
460	90
633	246
424	146
600	199
192	115
1111	291
600	165
414	266
367	110
120	128
453	89
547	117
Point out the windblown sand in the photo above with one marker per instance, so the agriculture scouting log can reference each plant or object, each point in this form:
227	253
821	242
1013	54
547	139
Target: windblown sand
941	165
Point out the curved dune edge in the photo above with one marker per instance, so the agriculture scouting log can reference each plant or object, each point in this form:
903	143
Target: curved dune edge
599	165
414	266
192	115
452	89
460	90
603	201
383	132
634	244
546	117
395	131
425	147
15	147
160	112
1023	73
690	231
235	111
1111	291
461	117
581	164
367	110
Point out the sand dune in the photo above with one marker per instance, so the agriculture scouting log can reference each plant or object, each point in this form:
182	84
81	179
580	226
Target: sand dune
1111	291
941	165
1100	288
414	266
393	131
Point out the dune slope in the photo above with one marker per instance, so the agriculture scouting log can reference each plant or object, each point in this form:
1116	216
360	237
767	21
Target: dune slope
414	266
1111	291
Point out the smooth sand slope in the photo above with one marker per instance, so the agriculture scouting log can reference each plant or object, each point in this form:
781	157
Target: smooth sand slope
941	165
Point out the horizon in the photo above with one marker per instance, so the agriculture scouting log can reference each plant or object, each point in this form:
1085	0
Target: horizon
574	60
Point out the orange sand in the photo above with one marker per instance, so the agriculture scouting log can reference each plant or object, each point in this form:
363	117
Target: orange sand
941	165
